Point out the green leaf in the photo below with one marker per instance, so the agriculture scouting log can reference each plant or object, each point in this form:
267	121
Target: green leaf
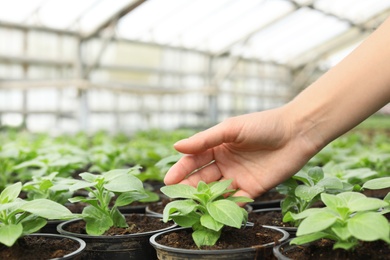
205	237
116	173
47	209
150	197
187	220
308	192
79	185
32	224
179	191
303	177
202	187
346	245
10	193
350	196
81	199
316	174
96	221
239	199
118	218
129	197
316	222
289	203
207	221
287	186
184	207
219	188
289	216
332	201
226	212
14	205
10	233
369	226
124	183
45	185
303	239
377	183
89	177
364	204
387	198
202	198
332	183
341	230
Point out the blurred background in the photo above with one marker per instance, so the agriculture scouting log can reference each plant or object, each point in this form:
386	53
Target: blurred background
129	65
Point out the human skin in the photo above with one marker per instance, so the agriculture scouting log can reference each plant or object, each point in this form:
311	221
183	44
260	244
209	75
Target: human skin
260	150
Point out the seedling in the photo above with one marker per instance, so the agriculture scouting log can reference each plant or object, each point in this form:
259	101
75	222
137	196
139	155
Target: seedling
378	184
120	183
206	208
49	187
304	189
348	218
19	217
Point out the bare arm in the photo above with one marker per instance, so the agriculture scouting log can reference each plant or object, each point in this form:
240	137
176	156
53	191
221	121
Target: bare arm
260	150
348	93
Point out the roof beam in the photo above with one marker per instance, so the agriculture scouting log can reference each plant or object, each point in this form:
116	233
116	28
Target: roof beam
115	17
25	27
35	61
243	40
340	42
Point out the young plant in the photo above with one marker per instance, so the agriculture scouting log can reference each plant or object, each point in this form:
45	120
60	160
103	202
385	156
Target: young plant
54	160
348	218
49	187
304	189
19	217
99	215
207	209
378	184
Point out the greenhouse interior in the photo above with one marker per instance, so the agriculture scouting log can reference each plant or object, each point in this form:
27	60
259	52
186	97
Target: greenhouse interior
95	89
69	66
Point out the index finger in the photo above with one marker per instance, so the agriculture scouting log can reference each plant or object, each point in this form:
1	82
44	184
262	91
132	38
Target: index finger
188	165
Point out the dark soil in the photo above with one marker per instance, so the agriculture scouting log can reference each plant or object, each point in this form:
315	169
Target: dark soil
231	238
269	218
376	193
322	249
137	223
36	247
158	207
76	207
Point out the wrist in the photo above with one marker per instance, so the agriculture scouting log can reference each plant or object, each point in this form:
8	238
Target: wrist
307	128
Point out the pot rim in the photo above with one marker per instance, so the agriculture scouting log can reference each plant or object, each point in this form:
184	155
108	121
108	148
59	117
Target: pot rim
288	229
154	243
276	250
61	230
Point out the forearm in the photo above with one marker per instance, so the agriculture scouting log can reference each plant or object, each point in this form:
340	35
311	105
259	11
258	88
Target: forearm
348	93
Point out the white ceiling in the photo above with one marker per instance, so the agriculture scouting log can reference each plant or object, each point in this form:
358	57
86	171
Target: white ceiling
280	31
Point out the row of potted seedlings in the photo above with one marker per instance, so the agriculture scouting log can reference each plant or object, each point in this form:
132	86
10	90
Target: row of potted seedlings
318	206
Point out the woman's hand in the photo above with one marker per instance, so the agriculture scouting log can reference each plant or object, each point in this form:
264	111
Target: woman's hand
258	151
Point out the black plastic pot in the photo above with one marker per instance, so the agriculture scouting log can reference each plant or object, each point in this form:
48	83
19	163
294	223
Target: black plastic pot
271	199
277	250
149	209
249	253
51	227
49	239
323	249
129	246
